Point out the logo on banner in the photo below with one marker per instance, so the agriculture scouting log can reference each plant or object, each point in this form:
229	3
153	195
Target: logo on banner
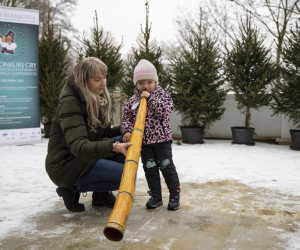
10	36
7	43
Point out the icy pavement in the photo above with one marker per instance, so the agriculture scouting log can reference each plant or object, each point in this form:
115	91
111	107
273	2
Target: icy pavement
233	197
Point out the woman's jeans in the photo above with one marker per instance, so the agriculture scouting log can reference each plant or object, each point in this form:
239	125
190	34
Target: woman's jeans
105	175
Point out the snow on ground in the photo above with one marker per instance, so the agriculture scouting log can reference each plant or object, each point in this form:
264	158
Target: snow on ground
25	188
264	165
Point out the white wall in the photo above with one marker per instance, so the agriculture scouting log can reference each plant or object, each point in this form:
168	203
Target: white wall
265	124
175	120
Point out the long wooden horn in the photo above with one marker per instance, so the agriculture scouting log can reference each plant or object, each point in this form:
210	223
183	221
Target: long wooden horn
115	227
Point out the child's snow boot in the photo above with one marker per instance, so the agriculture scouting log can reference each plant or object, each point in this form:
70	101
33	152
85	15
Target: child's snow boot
155	199
174	199
103	199
71	197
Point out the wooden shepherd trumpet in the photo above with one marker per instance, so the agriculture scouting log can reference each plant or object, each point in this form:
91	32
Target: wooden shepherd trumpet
115	227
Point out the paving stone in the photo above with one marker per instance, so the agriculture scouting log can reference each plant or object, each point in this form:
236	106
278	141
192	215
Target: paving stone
214	215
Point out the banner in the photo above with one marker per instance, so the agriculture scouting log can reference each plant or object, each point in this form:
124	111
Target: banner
19	76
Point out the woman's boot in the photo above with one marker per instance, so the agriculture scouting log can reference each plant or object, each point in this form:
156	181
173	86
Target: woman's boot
71	197
174	199
155	200
104	199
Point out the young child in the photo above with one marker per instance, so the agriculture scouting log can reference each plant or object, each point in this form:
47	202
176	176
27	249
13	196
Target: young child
156	151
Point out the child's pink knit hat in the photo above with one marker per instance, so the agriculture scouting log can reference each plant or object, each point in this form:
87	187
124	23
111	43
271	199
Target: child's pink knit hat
144	70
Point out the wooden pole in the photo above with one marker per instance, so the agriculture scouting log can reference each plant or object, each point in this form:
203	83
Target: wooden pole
116	224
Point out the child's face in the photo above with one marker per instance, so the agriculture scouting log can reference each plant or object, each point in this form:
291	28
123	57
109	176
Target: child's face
146	84
97	84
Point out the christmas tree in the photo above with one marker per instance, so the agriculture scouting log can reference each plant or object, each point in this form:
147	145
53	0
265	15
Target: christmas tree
287	92
147	50
102	46
197	80
250	70
53	72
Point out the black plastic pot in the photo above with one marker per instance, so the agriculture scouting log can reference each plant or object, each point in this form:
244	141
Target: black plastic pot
240	135
47	129
192	134
295	138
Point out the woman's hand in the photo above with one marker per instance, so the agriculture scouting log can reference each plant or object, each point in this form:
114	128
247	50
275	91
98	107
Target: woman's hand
122	147
145	94
126	137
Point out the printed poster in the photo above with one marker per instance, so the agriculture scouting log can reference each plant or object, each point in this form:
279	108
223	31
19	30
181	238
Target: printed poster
19	76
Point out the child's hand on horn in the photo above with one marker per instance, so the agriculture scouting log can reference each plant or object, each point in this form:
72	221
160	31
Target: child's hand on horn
145	94
126	137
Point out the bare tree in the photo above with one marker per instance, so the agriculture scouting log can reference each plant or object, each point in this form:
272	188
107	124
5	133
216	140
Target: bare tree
273	15
60	10
184	25
281	12
224	19
170	48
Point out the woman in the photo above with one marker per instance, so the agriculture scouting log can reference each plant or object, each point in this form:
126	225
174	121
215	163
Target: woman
84	152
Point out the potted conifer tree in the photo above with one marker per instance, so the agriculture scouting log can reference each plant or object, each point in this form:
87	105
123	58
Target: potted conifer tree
250	71
53	72
287	91
196	81
102	45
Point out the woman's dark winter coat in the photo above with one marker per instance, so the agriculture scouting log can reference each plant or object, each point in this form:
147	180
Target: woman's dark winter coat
73	148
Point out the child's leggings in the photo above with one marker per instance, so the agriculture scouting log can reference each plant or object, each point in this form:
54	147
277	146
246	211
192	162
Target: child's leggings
155	157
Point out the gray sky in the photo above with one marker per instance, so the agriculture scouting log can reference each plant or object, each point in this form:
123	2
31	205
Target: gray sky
123	18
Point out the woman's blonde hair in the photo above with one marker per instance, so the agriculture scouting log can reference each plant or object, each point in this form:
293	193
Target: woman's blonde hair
92	67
